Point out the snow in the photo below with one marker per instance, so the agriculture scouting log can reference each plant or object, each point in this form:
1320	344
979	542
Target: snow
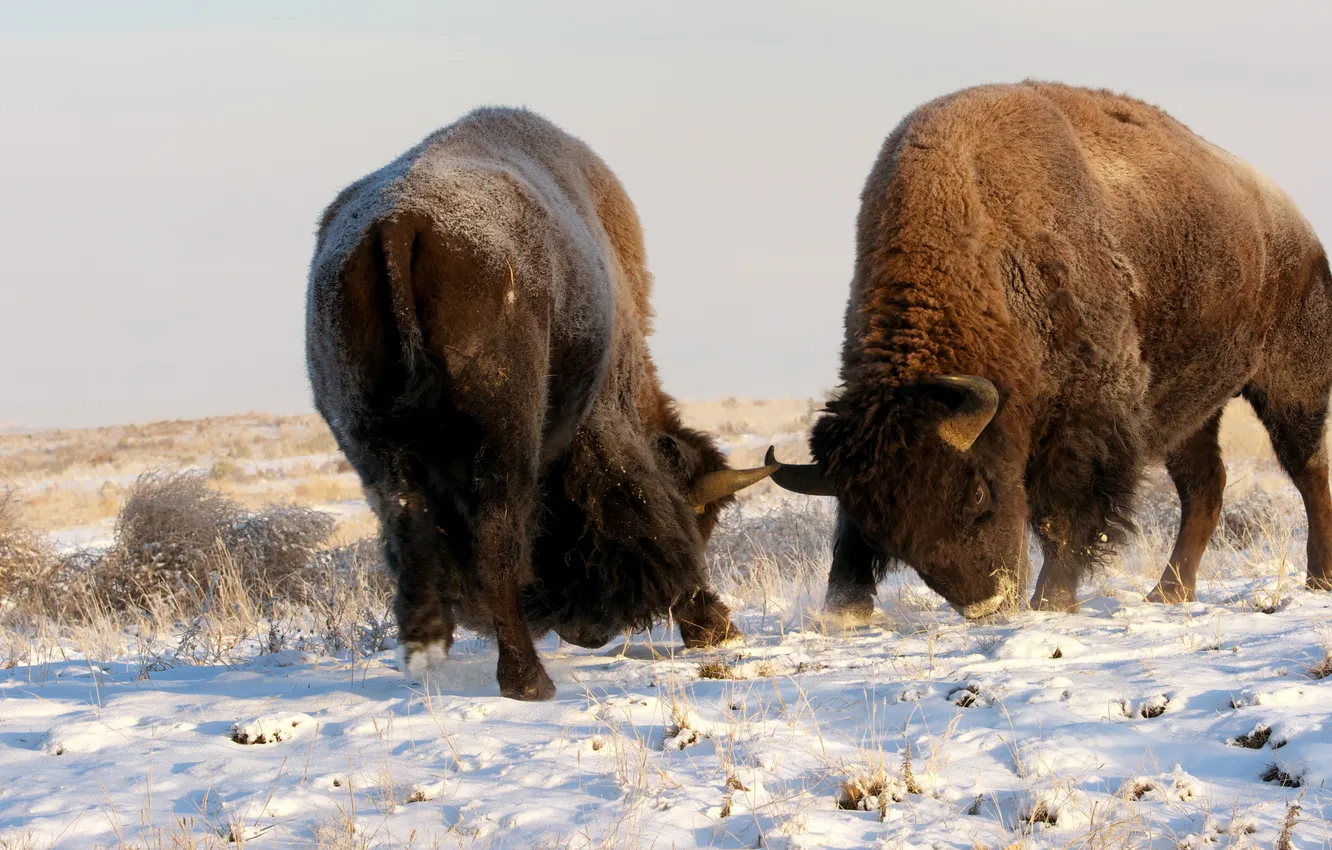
1129	733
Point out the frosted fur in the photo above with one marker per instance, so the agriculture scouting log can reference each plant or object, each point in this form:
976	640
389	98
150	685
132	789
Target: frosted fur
476	335
1117	279
532	223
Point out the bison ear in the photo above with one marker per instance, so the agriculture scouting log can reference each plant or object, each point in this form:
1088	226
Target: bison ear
974	401
669	452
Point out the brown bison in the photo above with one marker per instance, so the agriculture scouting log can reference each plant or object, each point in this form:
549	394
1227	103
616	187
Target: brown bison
476	324
1053	286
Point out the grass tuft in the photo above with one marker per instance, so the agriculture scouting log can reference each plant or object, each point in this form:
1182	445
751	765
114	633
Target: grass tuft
715	669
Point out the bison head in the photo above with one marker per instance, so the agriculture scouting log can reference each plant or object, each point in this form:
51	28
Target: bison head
928	478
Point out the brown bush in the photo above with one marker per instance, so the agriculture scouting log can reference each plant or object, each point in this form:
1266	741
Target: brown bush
278	541
174	529
26	558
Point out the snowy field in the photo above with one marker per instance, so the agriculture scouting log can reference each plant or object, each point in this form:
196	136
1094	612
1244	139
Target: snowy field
1127	725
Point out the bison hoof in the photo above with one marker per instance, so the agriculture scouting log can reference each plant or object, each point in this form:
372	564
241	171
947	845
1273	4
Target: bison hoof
535	686
1059	604
1171	594
697	637
850	614
853	606
422	660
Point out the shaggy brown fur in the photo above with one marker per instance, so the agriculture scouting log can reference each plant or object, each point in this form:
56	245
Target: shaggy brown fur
1118	279
476	340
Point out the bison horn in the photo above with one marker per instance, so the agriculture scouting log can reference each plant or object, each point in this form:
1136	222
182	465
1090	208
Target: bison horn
980	401
725	482
804	478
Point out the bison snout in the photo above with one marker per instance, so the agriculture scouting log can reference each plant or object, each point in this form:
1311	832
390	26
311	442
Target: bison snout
984	608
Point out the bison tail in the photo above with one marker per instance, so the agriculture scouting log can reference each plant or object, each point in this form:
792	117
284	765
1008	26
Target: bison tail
398	242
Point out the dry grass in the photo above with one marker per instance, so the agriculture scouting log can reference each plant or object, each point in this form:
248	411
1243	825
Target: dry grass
868	791
70	507
772	560
1322	669
176	528
1285	838
102	452
326	489
172	535
715	669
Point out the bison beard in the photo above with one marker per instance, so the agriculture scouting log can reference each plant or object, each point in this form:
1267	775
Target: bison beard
1112	280
476	324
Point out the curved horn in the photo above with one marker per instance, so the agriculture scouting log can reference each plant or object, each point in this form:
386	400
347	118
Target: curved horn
725	482
980	401
804	478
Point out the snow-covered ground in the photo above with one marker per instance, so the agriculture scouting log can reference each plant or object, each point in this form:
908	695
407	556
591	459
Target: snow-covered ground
1126	726
1118	727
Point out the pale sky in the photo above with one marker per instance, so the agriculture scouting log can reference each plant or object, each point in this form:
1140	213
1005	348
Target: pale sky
162	164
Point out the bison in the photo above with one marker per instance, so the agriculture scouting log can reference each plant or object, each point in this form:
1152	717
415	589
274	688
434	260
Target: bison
1052	287
476	321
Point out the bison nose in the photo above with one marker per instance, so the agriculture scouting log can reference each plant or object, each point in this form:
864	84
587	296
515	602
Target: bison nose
982	609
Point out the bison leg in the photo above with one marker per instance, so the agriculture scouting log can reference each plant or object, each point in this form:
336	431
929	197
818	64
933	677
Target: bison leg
1200	479
414	555
520	672
503	553
1057	585
851	579
1297	438
704	620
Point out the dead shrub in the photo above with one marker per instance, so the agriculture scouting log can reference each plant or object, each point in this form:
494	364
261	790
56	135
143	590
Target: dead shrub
173	525
26	558
1248	516
279	540
780	553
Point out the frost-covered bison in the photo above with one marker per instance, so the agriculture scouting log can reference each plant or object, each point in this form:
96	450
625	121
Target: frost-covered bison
476	326
1052	286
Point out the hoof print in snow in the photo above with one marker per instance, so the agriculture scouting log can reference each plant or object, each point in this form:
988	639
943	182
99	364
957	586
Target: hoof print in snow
680	737
1059	806
1279	776
1176	786
1040	813
426	792
968	696
270	728
1260	737
1153	706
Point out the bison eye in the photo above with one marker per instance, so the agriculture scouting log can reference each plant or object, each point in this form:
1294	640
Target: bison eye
981	505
